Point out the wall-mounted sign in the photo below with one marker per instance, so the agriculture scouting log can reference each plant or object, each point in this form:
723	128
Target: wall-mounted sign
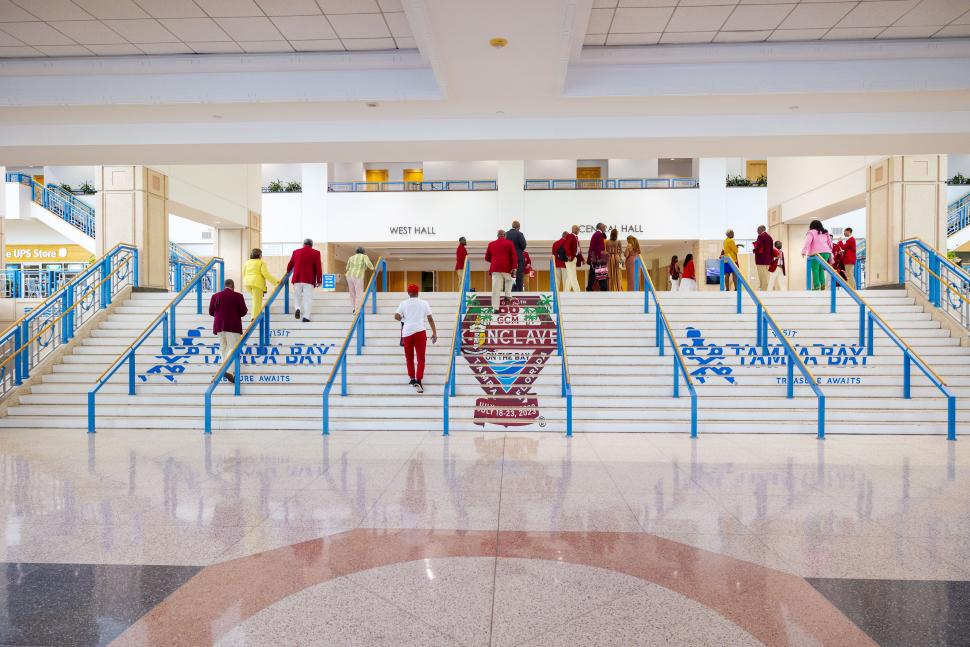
329	282
623	229
46	254
414	230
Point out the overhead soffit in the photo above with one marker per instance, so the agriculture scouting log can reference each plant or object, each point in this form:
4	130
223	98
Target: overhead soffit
664	22
84	28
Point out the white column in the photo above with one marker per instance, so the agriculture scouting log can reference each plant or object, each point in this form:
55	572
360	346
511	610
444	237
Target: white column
511	194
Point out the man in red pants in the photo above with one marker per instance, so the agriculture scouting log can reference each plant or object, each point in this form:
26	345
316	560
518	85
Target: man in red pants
412	313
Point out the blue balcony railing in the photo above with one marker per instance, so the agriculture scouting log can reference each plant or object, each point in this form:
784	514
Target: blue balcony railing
958	215
59	202
436	185
33	283
613	183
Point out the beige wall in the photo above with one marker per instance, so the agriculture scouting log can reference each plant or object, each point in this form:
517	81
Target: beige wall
906	197
132	208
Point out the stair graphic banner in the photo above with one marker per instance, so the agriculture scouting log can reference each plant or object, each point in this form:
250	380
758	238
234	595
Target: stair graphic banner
708	358
506	350
201	348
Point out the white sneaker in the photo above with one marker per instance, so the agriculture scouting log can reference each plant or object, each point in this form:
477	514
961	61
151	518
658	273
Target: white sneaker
419	387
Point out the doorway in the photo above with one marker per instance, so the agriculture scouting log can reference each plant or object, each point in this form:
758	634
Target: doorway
375	175
755	169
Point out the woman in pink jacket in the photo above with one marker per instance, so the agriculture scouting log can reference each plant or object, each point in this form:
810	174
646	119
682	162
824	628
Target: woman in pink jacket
817	242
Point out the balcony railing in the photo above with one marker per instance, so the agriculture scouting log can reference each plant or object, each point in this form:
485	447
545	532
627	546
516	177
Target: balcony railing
34	283
436	185
613	183
59	202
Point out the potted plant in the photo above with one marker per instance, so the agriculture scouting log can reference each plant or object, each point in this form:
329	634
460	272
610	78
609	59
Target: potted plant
276	186
293	187
67	188
737	180
86	189
958	179
761	181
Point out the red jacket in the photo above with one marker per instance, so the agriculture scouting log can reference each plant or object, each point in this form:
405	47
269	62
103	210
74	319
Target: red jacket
227	308
763	247
306	266
555	247
572	246
460	255
501	256
688	270
777	261
596	253
848	247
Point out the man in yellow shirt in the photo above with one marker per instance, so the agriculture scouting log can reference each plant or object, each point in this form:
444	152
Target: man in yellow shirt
730	250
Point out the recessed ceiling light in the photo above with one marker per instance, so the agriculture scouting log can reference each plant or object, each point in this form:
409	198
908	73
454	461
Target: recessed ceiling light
498	43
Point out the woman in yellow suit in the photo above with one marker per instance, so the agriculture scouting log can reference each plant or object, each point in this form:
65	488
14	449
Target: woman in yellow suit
255	276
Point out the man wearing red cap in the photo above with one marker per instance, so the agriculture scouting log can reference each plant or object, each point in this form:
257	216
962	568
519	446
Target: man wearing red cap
412	313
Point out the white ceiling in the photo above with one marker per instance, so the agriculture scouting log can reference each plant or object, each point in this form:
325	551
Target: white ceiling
68	28
454	97
652	22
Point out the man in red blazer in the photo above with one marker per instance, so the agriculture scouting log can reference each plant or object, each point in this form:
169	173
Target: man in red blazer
503	262
307	274
227	308
849	257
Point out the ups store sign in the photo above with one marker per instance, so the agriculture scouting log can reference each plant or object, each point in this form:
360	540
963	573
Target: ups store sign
46	254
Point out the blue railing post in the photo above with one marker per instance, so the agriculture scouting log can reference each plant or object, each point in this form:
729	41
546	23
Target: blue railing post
832	294
208	412
658	331
222	277
198	297
757	320
738	290
25	353
569	413
91	412
166	341
906	375
131	372
384	276
134	267
343	375
65	336
951	417
869	335
693	415
862	324
902	263
18	367
857	274
286	297
172	326
237	381
723	266
821	417
326	411
105	270
178	276
791	377
935	287
676	378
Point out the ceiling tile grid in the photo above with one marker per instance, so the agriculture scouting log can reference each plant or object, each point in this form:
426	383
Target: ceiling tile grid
59	28
652	22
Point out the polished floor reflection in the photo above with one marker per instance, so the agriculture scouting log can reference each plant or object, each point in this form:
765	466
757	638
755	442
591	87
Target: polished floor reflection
409	538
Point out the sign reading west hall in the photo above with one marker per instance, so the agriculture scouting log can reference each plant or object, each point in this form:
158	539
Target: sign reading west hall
414	230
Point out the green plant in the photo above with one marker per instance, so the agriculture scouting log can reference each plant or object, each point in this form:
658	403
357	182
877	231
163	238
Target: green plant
87	188
761	181
293	187
67	187
276	186
737	180
958	179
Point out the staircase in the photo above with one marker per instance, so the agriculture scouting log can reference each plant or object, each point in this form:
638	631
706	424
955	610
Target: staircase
59	210
620	383
508	377
958	222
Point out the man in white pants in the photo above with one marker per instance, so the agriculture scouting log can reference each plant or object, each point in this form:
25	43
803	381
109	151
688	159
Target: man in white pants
307	274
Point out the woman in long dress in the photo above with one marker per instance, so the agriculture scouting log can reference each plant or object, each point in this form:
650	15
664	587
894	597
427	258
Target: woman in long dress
615	251
632	253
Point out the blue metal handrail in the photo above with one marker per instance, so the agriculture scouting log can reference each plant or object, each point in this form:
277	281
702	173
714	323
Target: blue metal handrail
56	320
868	317
662	327
945	284
75	212
178	253
449	391
430	185
565	381
166	321
19	283
260	323
958	215
611	183
357	329
764	321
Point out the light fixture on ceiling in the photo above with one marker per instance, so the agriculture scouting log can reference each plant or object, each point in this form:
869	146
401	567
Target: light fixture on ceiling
500	112
793	107
672	159
217	116
371	104
498	43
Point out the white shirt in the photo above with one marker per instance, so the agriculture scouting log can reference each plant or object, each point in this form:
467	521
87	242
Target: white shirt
413	313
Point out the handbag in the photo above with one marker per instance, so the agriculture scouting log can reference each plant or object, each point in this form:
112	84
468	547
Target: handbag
601	273
561	254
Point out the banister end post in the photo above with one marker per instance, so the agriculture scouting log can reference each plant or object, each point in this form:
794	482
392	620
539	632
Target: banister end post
91	412
951	417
